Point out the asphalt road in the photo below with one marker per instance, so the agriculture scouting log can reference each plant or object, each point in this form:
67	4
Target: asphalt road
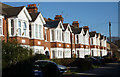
110	70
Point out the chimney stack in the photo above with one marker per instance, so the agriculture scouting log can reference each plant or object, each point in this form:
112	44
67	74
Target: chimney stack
32	8
75	23
59	17
86	28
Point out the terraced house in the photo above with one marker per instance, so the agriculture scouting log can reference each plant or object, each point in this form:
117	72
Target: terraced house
51	37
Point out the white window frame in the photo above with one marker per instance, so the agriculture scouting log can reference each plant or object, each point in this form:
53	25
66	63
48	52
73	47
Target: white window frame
45	34
19	27
36	30
53	35
1	25
40	31
12	27
25	29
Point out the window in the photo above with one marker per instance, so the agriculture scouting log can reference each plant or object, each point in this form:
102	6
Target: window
52	35
40	31
67	37
77	39
25	29
30	30
91	40
1	29
36	31
63	37
72	38
19	27
12	27
58	35
46	34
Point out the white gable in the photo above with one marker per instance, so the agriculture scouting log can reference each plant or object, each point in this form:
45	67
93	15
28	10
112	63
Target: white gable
87	34
24	15
82	32
69	28
60	25
40	19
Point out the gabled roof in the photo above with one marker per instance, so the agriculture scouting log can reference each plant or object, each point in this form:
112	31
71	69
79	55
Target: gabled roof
97	34
65	25
101	37
52	24
76	30
12	11
85	31
3	6
92	34
34	15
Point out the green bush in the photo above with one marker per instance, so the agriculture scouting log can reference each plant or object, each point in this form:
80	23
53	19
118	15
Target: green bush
18	60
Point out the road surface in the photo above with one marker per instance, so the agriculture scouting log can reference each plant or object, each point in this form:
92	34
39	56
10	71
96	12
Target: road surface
110	70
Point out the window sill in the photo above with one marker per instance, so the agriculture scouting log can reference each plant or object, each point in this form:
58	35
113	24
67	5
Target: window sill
38	38
19	36
46	41
2	35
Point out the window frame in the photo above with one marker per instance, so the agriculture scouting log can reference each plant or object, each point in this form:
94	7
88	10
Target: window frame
25	28
45	34
19	27
12	27
1	25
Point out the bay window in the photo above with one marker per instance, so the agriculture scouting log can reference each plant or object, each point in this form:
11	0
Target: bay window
36	31
52	31
25	29
12	27
40	31
59	35
19	27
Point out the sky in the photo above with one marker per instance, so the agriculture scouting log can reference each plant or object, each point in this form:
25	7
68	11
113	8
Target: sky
96	15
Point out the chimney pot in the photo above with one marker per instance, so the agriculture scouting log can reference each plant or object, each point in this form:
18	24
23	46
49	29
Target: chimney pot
75	23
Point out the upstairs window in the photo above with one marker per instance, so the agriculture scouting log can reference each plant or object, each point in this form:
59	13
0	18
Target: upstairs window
72	38
77	39
59	35
19	27
40	31
46	34
92	41
52	35
36	31
1	29
12	27
25	29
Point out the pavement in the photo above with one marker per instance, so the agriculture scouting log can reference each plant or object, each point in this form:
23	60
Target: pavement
109	70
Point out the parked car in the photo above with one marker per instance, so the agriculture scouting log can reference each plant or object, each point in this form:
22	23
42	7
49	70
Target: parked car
62	68
46	68
95	61
101	59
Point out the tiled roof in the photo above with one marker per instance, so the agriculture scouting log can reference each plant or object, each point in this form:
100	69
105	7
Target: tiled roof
34	15
76	30
52	24
65	25
13	11
92	34
101	37
2	6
